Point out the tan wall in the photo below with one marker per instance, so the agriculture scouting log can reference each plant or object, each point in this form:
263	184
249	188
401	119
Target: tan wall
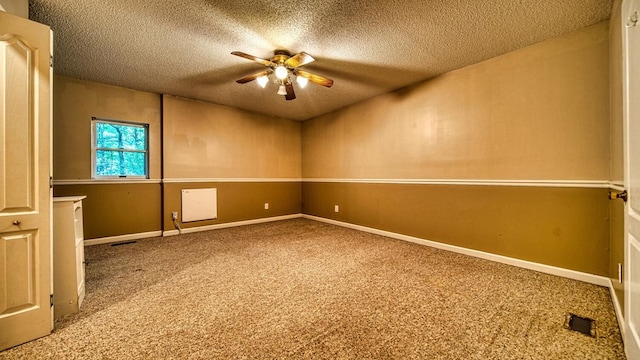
237	201
117	209
564	227
204	140
16	7
537	113
615	71
616	248
616	255
540	113
208	141
76	102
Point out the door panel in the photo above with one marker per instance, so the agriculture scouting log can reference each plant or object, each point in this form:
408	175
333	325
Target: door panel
19	251
25	167
18	133
631	52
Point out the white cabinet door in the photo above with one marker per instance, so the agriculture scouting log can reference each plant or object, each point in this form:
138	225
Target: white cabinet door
80	272
78	232
25	167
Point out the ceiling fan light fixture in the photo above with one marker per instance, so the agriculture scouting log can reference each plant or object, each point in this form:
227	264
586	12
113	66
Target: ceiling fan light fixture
282	68
262	81
302	81
281	72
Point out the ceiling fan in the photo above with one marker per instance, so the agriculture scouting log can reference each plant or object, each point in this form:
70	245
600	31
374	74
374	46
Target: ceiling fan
282	70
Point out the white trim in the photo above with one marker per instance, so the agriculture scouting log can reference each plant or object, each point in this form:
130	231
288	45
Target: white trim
616	308
68	198
571	274
616	186
216	180
543	183
473	182
112	239
630	111
228	225
106	182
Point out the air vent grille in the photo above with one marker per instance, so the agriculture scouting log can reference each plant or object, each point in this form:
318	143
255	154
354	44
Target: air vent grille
581	324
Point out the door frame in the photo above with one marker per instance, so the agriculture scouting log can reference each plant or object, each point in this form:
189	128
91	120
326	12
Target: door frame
631	218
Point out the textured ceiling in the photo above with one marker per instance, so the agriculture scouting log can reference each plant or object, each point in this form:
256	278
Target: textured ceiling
368	47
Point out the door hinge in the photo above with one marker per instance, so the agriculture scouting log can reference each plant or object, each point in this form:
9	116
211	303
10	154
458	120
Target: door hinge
50	182
51	61
50	300
618	195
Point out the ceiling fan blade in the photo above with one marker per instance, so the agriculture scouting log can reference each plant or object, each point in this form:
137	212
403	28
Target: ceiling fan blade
253	58
299	59
246	79
290	94
316	79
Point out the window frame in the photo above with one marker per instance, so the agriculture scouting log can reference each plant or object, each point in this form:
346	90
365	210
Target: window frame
95	148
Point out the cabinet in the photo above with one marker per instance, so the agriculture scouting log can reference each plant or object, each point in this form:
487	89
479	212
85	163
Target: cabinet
68	255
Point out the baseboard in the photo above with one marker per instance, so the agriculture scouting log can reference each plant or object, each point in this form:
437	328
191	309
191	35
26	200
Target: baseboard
548	269
118	238
231	224
616	307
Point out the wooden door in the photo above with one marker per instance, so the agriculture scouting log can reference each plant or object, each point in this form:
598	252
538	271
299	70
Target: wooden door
25	194
631	35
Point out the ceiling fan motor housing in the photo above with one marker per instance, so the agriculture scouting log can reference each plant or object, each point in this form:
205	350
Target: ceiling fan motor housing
280	56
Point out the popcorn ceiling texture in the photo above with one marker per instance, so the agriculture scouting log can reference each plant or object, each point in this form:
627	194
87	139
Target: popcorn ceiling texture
368	47
301	289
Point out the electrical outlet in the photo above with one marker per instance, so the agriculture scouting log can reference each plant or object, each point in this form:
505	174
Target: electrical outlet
266	206
336	208
174	215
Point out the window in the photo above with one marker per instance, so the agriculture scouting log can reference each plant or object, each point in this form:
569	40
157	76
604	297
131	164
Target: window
119	149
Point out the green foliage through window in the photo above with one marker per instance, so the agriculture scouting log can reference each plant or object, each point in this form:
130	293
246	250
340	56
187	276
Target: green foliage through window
120	149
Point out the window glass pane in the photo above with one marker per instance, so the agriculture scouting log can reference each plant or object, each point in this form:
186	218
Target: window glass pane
120	149
120	163
116	136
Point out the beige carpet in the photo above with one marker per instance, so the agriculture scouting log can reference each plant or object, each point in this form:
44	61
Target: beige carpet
304	289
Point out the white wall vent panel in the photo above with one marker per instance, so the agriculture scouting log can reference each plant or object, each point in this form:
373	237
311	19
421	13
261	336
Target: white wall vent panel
199	204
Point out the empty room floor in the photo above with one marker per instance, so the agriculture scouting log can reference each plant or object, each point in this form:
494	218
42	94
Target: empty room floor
305	289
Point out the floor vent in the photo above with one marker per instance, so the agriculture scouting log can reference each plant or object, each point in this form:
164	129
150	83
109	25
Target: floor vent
581	324
124	243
